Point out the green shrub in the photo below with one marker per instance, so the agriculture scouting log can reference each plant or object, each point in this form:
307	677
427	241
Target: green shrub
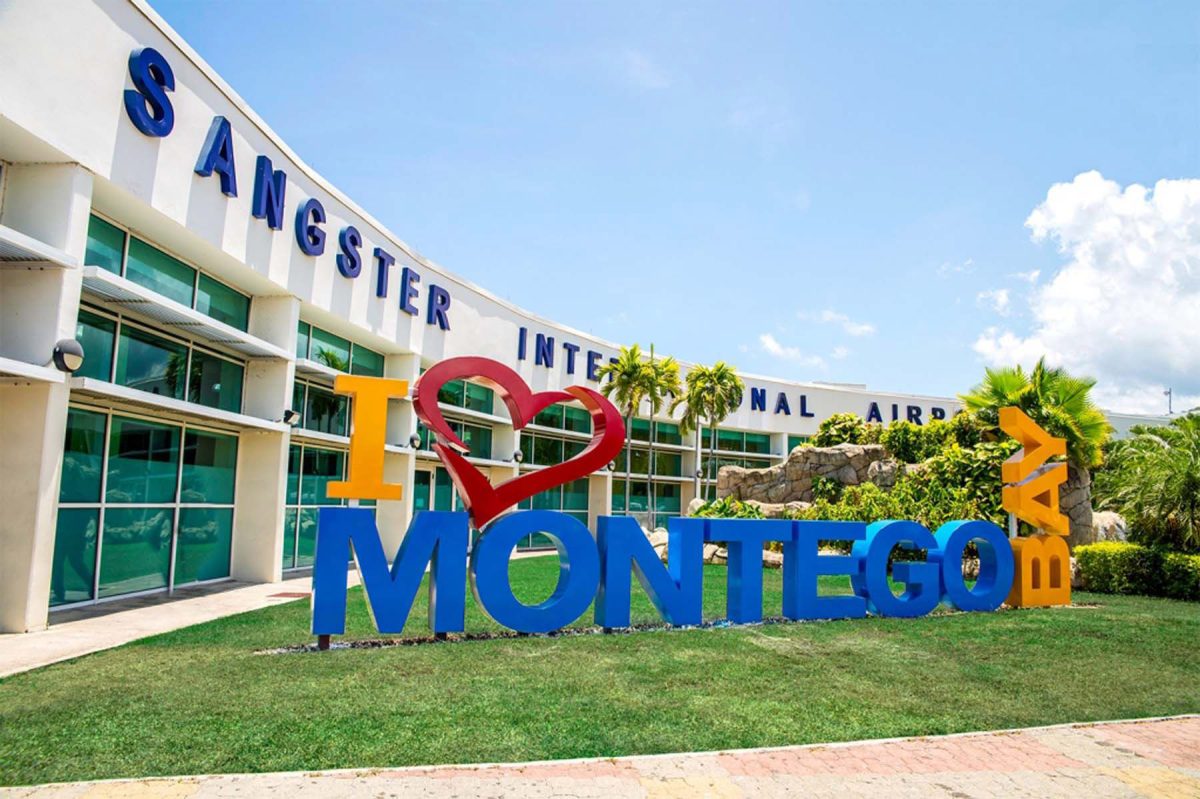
935	437
827	489
966	429
841	428
729	508
1112	567
904	441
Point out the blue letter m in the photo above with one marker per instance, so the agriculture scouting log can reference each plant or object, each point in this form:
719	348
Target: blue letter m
435	538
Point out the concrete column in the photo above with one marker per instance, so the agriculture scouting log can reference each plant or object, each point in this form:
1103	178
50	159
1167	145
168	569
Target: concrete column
599	497
49	202
393	516
263	455
258	516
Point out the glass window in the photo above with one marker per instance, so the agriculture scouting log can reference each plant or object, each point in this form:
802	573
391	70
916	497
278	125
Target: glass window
83	457
74	570
303	330
330	350
159	272
320	468
575	495
668	463
137	549
478	440
667	433
306	537
573	448
547	451
205	540
143	459
477	398
105	245
638	494
298	397
209	464
289	537
577	419
366	362
150	363
550	416
796	441
293	475
443	490
215	382
759	443
326	412
96	334
666	498
222	303
640	459
730	440
420	493
640	430
451	393
548	500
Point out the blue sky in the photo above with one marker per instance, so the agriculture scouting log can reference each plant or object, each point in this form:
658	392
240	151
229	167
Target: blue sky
834	191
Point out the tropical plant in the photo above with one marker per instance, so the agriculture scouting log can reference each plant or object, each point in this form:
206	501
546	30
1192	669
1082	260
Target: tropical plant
712	393
1059	402
626	381
841	428
662	382
1152	479
729	508
904	441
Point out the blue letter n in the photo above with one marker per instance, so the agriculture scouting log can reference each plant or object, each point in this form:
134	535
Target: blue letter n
435	538
269	186
675	589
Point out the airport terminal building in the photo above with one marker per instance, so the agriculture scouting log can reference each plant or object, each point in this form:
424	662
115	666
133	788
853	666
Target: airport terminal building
218	285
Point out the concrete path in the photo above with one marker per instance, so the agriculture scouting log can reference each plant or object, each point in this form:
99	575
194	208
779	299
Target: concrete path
73	633
1152	758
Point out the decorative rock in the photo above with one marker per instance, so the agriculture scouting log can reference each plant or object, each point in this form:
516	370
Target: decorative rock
883	473
658	538
710	551
1108	526
772	560
696	504
791	481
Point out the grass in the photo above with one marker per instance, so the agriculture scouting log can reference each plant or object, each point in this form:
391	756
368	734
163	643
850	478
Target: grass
199	700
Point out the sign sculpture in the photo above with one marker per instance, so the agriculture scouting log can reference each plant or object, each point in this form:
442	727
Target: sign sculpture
600	568
1042	561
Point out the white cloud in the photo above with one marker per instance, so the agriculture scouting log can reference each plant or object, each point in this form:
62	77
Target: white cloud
996	299
1030	277
831	317
1125	307
839	353
772	346
948	268
640	70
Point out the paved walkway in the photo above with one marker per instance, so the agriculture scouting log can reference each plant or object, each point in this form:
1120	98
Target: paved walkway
73	633
1155	758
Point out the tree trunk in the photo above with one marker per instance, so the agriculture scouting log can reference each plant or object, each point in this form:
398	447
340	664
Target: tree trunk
712	455
628	458
650	476
696	479
1075	501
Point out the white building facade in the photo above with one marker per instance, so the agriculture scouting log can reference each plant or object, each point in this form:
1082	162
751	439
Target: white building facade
216	283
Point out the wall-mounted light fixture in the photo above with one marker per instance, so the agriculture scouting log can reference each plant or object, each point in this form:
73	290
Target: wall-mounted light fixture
518	456
414	441
68	356
291	418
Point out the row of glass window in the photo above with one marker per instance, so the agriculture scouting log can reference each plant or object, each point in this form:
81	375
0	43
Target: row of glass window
795	441
747	463
664	432
462	394
666	463
310	471
738	441
320	409
143	505
111	248
667	497
564	417
478	438
159	365
328	349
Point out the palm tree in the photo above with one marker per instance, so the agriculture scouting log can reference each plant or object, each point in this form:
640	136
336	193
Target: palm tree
664	381
628	382
1056	400
713	392
1152	479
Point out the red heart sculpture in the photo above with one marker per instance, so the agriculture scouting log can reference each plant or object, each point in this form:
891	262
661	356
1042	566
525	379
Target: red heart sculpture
483	500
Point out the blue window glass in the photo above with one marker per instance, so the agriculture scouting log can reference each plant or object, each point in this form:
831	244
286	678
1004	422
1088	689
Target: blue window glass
215	382
97	334
105	245
74	571
137	550
222	303
83	457
209	467
157	271
204	545
366	362
150	363
142	461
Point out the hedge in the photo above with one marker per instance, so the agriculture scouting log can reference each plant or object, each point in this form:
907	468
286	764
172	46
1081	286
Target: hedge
1119	568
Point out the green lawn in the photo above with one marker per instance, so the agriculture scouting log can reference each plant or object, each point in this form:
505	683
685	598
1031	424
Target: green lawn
201	700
